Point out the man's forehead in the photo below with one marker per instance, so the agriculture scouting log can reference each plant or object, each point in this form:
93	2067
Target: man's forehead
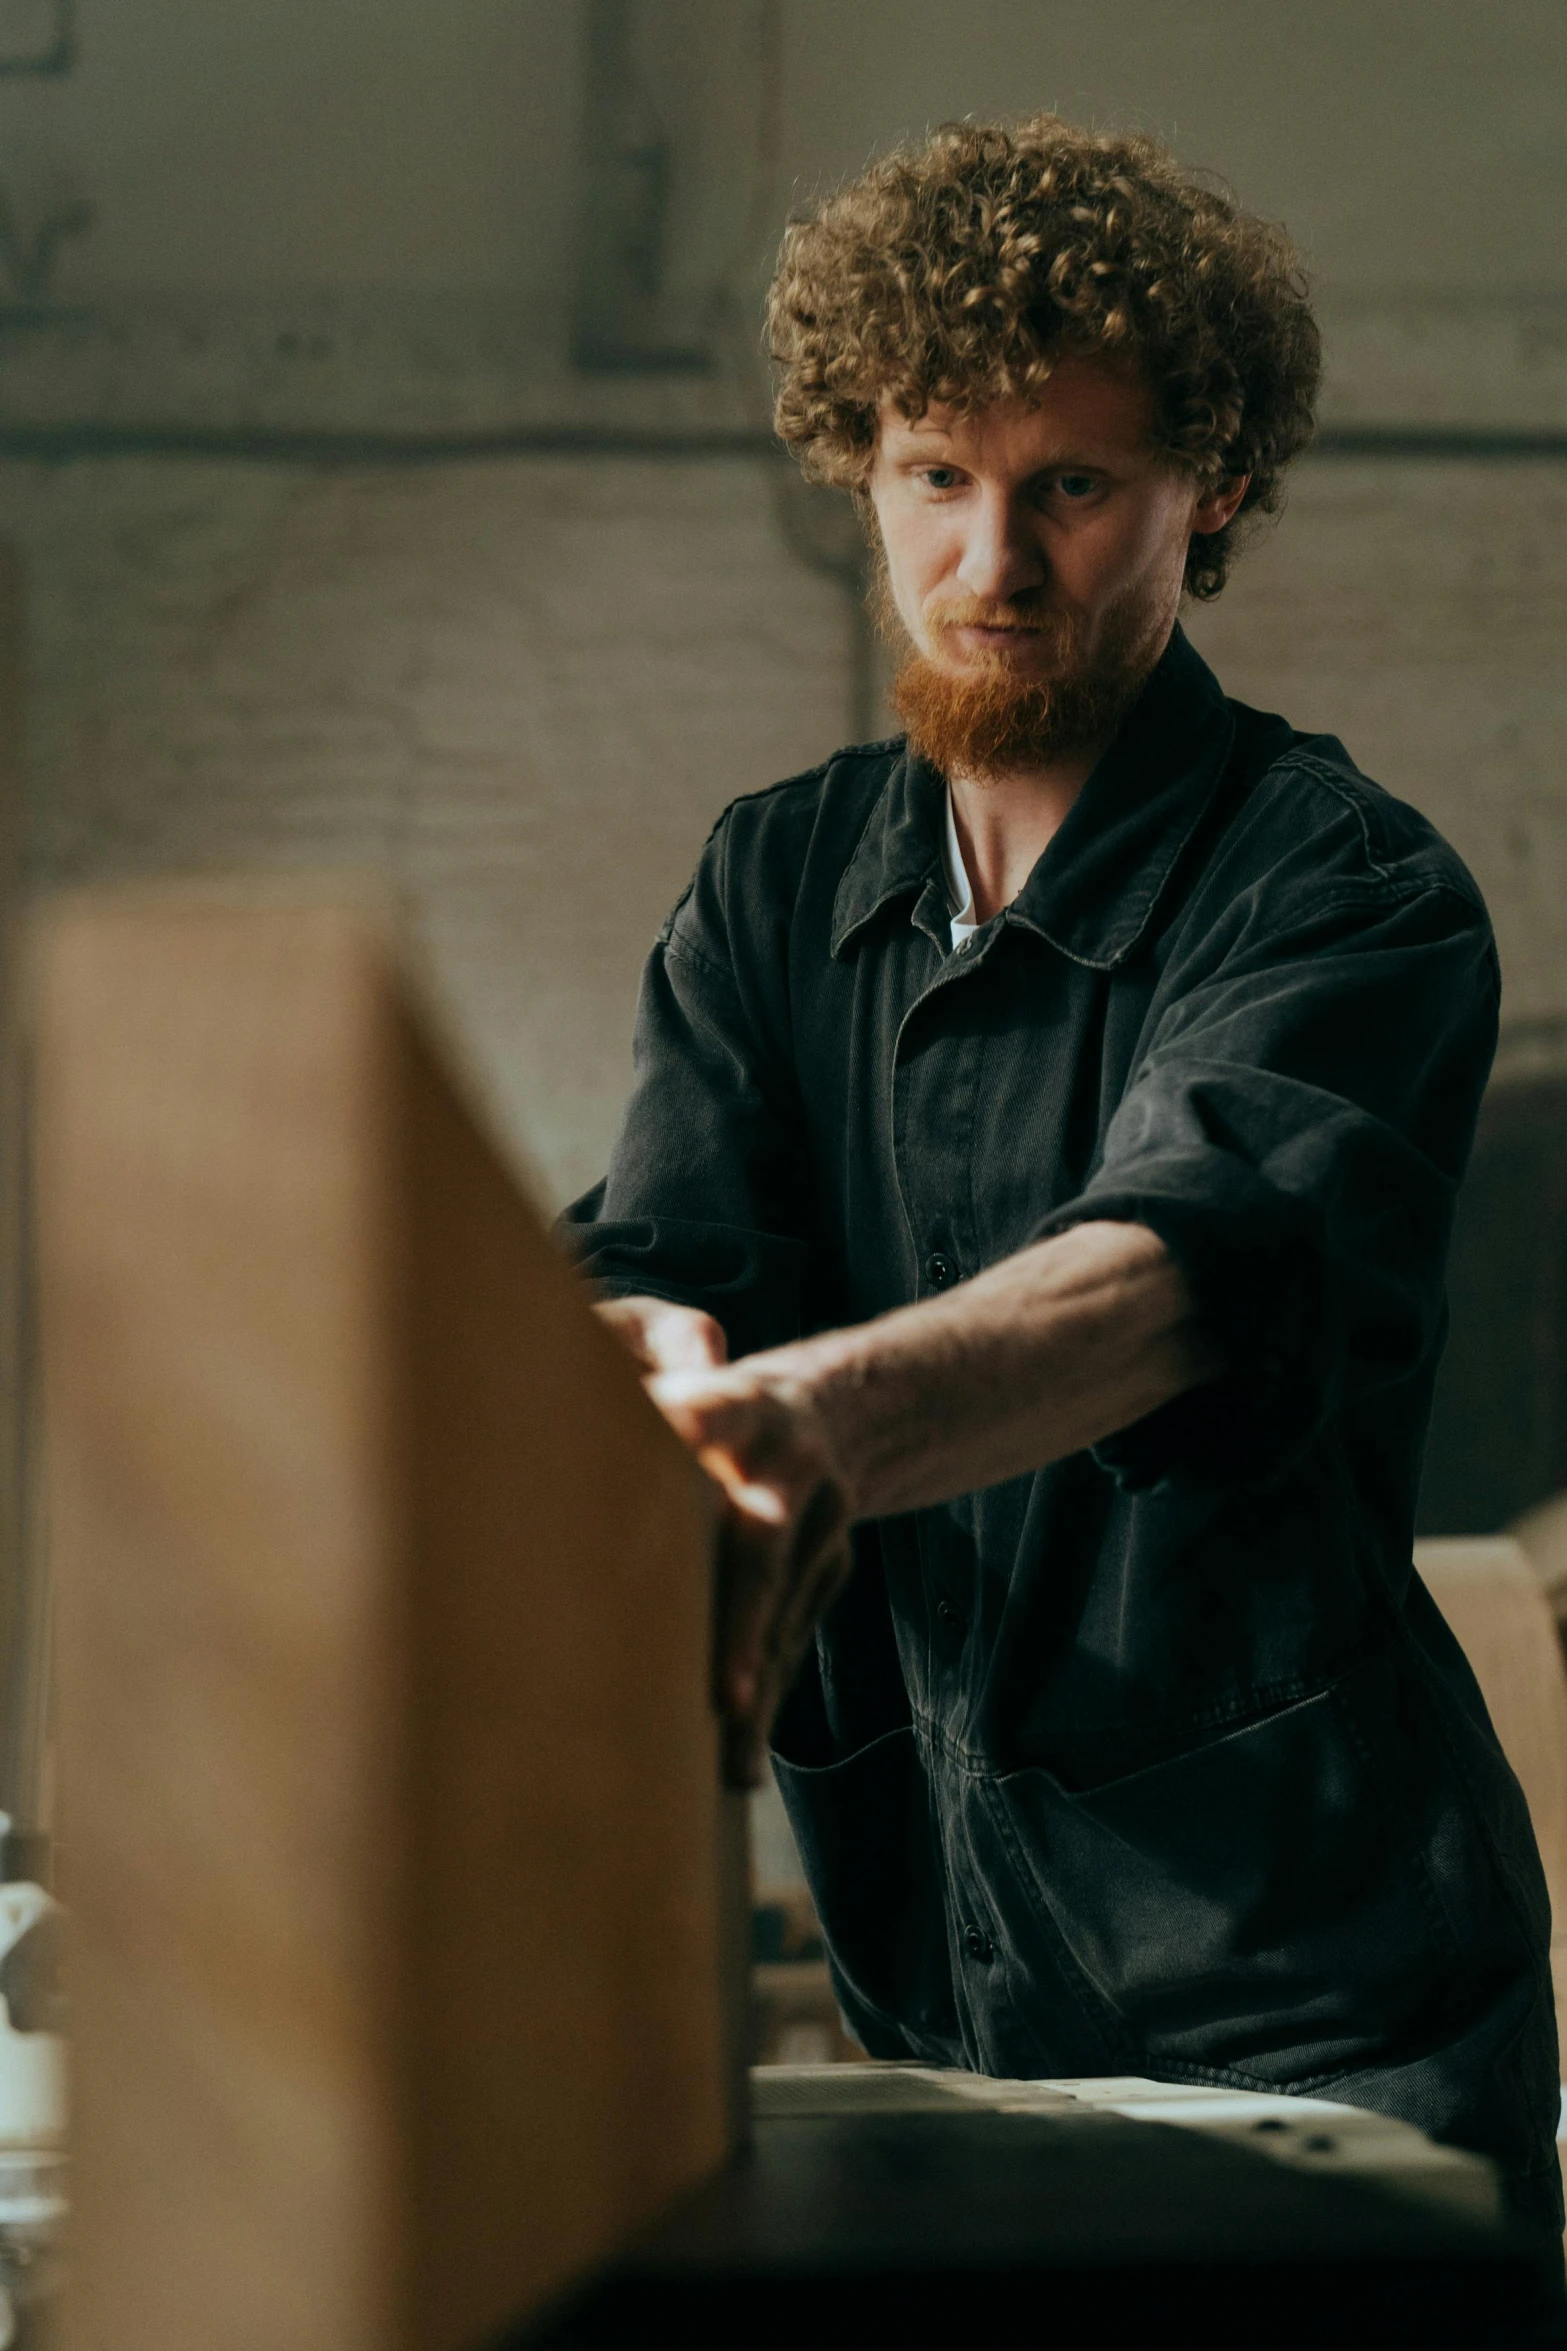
1081	402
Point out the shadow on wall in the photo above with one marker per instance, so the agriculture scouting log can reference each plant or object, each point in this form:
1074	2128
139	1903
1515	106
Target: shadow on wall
1498	1441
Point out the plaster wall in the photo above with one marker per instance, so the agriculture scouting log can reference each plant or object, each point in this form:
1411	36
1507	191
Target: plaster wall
268	143
1407	143
521	692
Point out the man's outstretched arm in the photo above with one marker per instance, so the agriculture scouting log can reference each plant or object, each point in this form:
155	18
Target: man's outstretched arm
1047	1352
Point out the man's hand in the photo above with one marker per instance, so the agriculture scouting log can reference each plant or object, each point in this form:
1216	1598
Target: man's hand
783	1539
664	1337
783	1543
1038	1356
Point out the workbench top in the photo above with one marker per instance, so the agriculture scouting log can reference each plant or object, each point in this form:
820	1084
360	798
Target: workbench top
884	2201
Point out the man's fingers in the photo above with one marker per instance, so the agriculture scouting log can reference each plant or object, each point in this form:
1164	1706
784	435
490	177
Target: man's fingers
686	1341
733	1439
665	1338
753	1574
756	1505
807	1601
754	1430
784	1542
780	1549
795	1623
747	1736
753	1570
774	1592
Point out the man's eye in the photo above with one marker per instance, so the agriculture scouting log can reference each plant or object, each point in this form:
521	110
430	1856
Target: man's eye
939	477
1076	485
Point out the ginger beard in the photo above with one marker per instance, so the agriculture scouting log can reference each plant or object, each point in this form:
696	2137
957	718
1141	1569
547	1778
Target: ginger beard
987	718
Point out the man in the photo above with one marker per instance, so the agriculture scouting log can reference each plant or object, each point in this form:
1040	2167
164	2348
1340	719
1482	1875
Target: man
1057	1116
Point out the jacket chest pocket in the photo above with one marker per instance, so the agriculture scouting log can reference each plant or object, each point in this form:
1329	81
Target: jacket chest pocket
1258	1904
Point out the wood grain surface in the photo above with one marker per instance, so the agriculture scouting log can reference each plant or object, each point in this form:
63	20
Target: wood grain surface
1494	1601
392	1824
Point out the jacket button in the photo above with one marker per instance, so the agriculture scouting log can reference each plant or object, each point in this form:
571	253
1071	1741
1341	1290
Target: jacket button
978	1944
940	1271
949	1618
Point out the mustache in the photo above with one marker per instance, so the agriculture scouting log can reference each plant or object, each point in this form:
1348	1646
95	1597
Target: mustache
977	612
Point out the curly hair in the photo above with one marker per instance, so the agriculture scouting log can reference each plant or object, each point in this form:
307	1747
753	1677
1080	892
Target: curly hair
959	270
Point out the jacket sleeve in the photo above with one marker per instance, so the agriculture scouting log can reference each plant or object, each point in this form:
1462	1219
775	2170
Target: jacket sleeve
1295	1134
703	1200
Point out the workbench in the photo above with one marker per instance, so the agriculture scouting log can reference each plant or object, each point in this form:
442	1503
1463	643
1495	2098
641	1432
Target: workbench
893	2204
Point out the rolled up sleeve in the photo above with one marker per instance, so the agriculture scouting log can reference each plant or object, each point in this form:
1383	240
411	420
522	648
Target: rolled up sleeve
1295	1134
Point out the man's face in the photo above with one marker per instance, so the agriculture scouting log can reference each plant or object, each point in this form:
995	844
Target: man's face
1035	554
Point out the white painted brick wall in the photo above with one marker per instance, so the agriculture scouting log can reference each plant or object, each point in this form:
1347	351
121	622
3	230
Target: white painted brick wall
1419	611
523	690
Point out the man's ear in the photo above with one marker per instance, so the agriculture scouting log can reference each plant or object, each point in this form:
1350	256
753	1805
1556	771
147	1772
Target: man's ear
1221	504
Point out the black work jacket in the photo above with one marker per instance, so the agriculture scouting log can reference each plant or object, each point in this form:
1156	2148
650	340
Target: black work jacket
1159	1761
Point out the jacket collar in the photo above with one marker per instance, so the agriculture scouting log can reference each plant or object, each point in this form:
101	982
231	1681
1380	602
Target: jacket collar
1092	892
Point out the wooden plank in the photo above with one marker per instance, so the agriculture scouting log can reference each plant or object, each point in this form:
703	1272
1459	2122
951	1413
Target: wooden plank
24	1793
392	1822
1500	1613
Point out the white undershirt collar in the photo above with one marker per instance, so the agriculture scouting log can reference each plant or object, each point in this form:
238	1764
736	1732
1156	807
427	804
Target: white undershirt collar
960	890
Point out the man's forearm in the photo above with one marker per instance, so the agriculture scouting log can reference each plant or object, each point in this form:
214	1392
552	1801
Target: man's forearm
1047	1352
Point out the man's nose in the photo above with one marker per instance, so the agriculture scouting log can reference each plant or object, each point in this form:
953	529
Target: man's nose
1002	558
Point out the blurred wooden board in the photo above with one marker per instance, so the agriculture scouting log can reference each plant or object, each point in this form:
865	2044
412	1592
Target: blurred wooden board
1498	1608
392	1824
23	1629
